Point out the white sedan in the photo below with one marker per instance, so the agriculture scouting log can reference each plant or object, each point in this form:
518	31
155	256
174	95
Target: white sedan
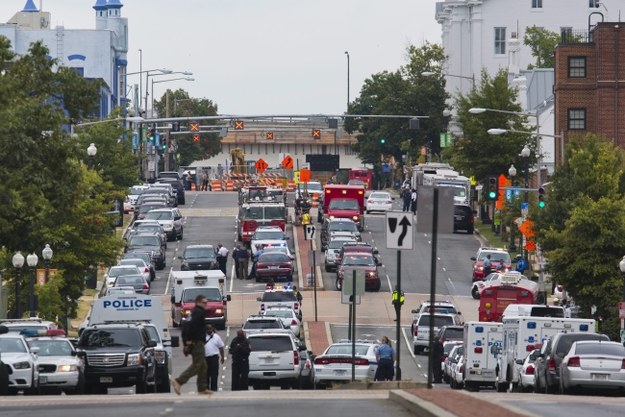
379	201
287	315
335	364
21	360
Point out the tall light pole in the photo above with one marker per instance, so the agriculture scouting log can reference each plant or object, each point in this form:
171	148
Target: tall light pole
444	74
46	253
32	261
166	81
18	263
622	268
347	54
147	78
512	173
91	152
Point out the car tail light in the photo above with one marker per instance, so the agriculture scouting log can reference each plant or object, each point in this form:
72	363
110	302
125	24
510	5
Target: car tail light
295	306
478	349
416	330
295	358
146	269
552	365
623	364
573	362
462	368
293	322
361	362
146	287
529	370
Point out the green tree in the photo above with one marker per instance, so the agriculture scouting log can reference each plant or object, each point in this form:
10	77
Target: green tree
478	153
402	92
542	43
182	105
582	227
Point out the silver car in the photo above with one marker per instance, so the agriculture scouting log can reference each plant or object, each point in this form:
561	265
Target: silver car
333	250
138	282
59	367
593	364
335	364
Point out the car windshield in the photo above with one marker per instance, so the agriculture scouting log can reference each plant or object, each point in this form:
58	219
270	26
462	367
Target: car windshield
314	186
284	314
115	272
340	204
196	253
495	256
253	213
144	241
136	191
438	320
147	207
129	280
136	262
337	244
358	260
110	337
58	347
282	343
598	348
149	228
275	249
346	349
160	215
262	324
273	257
278	296
153	334
268	235
379	196
453	333
12	344
274	212
212	294
440	309
342	227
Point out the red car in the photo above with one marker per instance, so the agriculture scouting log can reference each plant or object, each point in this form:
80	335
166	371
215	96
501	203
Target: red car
274	265
359	261
499	262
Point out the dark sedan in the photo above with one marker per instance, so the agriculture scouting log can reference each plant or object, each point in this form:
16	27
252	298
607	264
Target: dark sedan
274	266
138	282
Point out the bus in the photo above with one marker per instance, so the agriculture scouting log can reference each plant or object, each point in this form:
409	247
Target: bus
509	289
361	174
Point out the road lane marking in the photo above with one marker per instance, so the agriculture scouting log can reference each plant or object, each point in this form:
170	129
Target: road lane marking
408	343
168	279
390	286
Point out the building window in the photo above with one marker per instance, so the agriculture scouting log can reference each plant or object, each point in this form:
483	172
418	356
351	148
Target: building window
79	70
577	119
537	4
577	67
593	4
500	41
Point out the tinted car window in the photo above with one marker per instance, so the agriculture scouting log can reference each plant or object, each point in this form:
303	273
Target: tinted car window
262	324
464	211
566	341
347	350
271	343
342	227
144	241
273	257
194	253
278	296
211	294
110	337
600	348
438	320
453	333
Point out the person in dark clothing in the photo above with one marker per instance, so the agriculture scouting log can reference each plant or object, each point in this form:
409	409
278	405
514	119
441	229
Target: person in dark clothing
413	201
385	356
240	349
193	339
236	253
244	262
405	195
437	370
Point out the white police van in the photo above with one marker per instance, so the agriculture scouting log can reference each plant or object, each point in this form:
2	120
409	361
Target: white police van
482	343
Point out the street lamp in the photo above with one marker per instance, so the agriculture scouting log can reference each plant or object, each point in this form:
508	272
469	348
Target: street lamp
18	263
47	255
91	152
512	173
347	54
466	77
147	80
166	81
32	260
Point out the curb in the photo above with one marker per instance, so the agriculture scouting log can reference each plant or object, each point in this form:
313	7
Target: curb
298	259
416	405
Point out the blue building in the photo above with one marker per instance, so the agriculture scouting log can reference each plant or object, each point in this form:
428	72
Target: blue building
99	53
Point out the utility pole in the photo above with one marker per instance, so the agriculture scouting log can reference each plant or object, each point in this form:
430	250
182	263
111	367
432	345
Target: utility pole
167	137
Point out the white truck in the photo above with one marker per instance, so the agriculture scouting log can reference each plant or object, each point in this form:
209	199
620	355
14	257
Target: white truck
186	285
436	174
521	335
482	342
145	311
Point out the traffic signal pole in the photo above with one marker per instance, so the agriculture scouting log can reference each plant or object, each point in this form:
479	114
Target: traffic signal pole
398	314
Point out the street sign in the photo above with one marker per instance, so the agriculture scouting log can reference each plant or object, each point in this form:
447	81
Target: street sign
399	230
310	232
530	245
526	228
41	275
304	175
316	133
511	193
524	209
269	135
348	278
194	127
196	138
287	162
261	166
239	125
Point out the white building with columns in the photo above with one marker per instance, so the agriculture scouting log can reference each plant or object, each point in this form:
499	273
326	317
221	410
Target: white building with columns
98	53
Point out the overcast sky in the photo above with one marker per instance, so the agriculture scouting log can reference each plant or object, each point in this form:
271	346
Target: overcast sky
262	56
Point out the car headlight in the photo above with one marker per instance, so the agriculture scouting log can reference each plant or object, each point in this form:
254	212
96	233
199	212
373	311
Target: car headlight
372	274
218	311
184	265
355	218
160	356
186	313
22	365
134	359
168	226
66	368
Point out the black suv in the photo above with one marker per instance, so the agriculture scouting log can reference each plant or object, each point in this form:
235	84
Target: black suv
118	355
150	243
463	218
177	186
199	257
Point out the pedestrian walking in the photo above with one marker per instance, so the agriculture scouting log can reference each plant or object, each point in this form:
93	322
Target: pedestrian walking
214	355
385	356
204	181
406	196
193	339
235	255
437	360
222	257
413	201
240	349
244	262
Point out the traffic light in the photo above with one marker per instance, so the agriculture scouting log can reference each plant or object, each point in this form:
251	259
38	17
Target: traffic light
541	198
382	141
492	188
152	135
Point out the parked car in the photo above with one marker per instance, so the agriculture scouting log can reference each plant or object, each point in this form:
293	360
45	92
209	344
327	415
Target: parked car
452	351
146	256
138	282
274	266
379	201
148	206
148	243
147	226
178	187
287	315
500	261
274	360
421	328
259	324
334	365
595	364
333	248
139	263
170	219
117	270
464	218
199	257
21	361
332	227
526	381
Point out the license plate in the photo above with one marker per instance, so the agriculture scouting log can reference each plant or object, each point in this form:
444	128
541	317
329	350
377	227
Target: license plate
599	377
43	379
487	374
340	372
273	267
458	217
106	379
268	360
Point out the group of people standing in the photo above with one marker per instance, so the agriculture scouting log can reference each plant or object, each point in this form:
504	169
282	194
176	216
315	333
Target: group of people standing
241	256
409	196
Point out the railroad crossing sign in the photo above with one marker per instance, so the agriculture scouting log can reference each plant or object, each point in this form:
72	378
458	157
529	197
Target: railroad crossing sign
399	231
239	125
309	233
287	162
261	165
194	127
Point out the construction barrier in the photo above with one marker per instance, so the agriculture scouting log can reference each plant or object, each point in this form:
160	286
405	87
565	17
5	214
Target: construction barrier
315	200
193	188
290	186
216	186
229	185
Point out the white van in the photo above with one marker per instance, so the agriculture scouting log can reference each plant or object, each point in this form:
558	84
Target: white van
482	342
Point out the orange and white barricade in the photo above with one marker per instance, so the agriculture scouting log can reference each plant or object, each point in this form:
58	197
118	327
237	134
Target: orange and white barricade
216	185
229	185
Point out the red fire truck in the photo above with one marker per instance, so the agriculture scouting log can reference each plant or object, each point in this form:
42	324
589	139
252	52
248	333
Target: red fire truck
364	175
257	214
344	202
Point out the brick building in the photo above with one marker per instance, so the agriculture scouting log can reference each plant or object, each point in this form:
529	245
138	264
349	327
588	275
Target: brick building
589	84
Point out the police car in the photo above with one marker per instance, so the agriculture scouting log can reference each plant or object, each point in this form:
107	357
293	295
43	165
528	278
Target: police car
335	363
59	367
280	296
21	361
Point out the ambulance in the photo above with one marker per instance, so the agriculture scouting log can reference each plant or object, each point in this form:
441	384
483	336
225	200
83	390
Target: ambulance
186	285
523	334
482	342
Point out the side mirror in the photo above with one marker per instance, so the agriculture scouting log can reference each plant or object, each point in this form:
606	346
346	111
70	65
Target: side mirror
152	343
180	257
375	251
413	311
35	350
519	361
473	258
4	329
228	297
175	341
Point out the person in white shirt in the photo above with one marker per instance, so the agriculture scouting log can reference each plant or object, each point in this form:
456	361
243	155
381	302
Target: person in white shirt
214	354
222	257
